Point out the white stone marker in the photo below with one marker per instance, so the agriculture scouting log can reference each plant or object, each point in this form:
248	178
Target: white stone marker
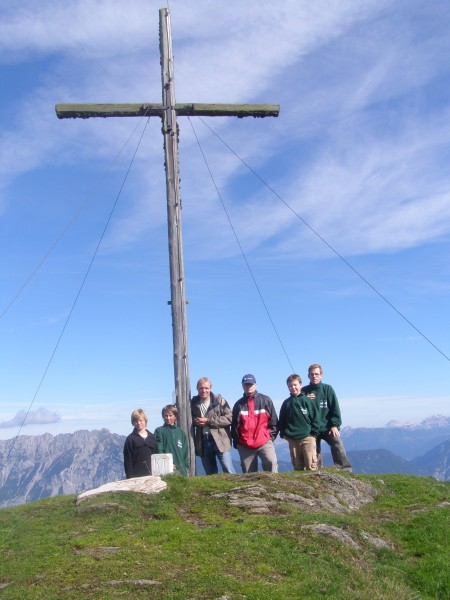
162	464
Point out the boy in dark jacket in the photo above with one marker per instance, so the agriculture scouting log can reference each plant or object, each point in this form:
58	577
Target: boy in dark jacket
139	447
299	425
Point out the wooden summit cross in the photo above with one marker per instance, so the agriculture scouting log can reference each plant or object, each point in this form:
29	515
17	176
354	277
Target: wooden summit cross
168	112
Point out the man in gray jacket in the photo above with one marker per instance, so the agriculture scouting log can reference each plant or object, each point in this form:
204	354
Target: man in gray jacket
211	416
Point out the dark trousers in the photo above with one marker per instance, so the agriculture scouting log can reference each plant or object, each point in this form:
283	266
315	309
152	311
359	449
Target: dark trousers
340	459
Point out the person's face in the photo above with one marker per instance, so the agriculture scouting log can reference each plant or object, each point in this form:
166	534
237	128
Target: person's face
249	388
204	390
140	424
315	376
295	387
169	418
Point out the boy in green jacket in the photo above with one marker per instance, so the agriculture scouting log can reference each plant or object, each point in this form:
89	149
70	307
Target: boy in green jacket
299	425
325	399
172	440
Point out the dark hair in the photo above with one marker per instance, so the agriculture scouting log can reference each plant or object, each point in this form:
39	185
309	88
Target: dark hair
169	408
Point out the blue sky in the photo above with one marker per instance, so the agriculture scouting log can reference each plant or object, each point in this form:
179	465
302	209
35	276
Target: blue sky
360	152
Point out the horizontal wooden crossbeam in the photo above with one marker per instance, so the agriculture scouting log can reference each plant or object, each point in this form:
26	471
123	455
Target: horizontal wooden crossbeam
86	111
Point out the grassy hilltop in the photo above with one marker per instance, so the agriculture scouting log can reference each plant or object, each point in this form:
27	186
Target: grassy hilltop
260	536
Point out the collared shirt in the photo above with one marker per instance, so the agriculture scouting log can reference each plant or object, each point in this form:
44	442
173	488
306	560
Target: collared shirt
204	409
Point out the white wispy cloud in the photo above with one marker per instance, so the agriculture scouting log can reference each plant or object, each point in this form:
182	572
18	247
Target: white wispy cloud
41	416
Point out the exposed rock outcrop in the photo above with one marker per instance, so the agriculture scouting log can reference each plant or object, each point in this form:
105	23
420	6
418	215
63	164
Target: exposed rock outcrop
311	492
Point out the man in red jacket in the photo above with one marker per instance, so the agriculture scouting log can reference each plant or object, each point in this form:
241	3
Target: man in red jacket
254	427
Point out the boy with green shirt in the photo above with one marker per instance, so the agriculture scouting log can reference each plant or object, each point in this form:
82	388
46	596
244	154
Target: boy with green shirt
325	399
299	425
172	440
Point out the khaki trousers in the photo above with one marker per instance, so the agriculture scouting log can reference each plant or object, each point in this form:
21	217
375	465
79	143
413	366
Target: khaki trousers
266	454
303	453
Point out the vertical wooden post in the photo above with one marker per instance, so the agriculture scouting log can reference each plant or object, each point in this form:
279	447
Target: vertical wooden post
177	280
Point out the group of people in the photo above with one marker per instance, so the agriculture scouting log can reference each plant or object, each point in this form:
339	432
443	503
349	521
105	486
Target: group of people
308	416
167	439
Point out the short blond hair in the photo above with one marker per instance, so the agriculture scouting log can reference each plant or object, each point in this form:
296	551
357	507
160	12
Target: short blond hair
315	366
138	414
203	380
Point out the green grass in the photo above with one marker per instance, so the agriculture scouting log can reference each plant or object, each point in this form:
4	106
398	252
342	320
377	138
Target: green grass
192	545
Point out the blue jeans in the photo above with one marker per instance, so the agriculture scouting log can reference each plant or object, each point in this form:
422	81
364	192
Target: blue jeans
211	454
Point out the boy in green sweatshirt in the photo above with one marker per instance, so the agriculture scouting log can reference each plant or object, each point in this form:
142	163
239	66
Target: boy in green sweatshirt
172	440
325	399
299	425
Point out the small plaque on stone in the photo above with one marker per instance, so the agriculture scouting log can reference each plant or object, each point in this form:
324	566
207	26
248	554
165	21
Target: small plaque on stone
162	464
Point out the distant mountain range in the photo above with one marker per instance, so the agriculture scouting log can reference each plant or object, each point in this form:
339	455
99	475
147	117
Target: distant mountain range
408	441
414	449
35	467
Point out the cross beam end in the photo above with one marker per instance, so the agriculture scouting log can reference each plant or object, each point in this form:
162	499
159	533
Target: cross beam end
227	110
85	111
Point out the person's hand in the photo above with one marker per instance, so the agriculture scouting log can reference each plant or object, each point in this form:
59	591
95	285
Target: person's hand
201	421
334	431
